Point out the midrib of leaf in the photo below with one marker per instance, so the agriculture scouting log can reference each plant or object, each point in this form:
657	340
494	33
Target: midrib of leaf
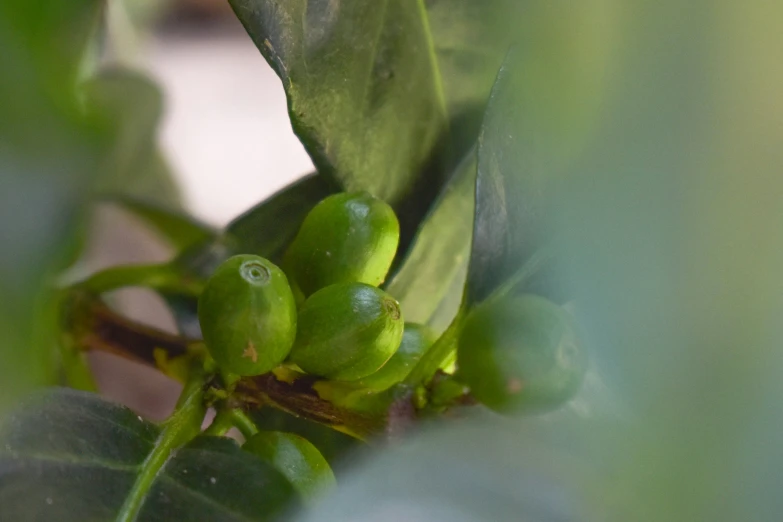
182	425
437	78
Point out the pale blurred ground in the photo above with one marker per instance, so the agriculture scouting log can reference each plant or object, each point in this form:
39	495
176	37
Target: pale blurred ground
226	134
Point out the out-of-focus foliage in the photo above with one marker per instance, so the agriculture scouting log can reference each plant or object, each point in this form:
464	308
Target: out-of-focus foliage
48	156
133	165
660	124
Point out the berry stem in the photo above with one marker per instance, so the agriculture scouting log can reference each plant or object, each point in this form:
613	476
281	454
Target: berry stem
178	429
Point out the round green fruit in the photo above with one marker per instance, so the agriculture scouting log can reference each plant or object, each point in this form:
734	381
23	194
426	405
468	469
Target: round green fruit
296	458
247	315
520	353
347	237
416	339
347	331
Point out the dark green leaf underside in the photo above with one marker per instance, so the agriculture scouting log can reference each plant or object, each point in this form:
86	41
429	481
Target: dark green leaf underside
512	184
72	456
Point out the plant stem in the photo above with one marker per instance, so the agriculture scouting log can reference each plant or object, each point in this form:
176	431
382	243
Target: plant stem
222	422
179	428
164	277
94	326
243	423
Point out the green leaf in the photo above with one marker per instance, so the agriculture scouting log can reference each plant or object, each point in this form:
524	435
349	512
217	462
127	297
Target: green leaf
72	456
364	90
439	252
512	184
375	89
134	166
509	475
179	229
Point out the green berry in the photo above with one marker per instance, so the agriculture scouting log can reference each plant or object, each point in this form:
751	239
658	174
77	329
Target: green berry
247	315
296	458
347	237
347	331
416	339
520	353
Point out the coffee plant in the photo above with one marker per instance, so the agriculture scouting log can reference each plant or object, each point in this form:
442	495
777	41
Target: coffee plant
490	301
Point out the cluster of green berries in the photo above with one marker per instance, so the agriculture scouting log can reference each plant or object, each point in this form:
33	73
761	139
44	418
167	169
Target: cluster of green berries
323	311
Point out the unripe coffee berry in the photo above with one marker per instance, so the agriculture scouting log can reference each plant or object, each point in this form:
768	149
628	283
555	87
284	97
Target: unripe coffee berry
347	331
347	237
520	353
296	458
247	315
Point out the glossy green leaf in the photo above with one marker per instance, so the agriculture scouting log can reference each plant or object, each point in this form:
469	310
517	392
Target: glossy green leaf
439	252
72	456
178	229
134	165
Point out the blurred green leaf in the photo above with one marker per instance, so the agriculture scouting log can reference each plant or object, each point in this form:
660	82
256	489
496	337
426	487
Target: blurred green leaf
439	251
511	187
71	456
510	474
134	166
48	158
180	230
538	115
470	40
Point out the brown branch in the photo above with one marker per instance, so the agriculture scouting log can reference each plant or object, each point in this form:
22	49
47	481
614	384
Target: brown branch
300	399
92	325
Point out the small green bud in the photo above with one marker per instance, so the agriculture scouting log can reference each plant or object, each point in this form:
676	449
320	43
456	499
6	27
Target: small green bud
347	237
520	353
296	458
247	315
347	331
416	339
